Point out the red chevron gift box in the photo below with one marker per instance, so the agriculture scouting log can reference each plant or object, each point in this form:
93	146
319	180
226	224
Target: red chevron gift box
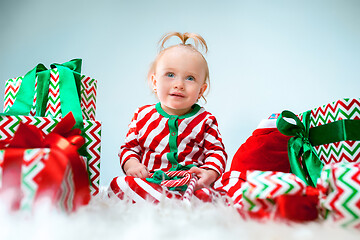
55	78
340	193
35	167
92	134
277	194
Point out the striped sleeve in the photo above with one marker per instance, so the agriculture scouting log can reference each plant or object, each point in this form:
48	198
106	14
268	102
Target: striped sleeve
214	149
131	147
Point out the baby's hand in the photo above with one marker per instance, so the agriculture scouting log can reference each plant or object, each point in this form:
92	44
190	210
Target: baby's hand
206	176
134	168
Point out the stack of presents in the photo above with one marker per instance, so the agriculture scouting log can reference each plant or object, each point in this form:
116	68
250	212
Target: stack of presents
303	167
50	139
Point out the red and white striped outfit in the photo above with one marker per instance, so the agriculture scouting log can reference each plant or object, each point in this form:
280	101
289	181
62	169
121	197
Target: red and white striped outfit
167	142
140	190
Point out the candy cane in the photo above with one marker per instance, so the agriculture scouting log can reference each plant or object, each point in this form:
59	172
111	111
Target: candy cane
187	179
190	189
178	182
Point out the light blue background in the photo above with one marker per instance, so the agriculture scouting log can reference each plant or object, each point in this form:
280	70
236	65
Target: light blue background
264	56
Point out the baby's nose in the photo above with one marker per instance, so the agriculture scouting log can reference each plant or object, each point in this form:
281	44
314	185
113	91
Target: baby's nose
179	84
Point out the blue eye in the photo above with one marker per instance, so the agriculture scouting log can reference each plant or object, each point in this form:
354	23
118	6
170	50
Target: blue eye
190	78
171	75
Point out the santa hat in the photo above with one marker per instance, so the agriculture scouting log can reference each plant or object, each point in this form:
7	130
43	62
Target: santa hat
265	149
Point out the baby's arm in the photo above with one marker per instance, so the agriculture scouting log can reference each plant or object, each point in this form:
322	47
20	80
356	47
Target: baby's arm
133	167
214	152
130	152
206	176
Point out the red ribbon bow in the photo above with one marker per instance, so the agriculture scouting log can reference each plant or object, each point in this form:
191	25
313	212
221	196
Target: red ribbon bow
64	143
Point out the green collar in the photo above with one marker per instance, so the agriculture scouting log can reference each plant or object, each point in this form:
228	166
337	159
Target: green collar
195	109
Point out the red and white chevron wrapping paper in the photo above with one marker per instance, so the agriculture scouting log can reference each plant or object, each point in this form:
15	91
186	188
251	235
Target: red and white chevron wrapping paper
92	129
263	187
340	193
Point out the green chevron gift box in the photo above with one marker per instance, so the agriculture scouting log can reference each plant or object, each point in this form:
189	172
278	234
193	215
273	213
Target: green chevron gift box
340	193
86	87
325	135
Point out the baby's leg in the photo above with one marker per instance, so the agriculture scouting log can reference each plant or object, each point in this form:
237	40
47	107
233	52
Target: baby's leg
206	194
139	190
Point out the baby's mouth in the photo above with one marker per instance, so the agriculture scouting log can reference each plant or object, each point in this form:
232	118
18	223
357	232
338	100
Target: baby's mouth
177	95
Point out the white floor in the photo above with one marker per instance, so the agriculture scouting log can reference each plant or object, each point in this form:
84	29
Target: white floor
107	218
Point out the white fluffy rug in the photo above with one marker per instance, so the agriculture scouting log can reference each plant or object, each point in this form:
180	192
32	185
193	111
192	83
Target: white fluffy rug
106	218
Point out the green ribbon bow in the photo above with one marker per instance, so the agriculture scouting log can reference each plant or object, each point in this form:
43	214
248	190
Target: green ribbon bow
299	146
69	86
160	176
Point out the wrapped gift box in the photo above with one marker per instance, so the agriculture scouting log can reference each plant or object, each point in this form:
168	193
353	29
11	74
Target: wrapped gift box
33	163
92	134
36	166
263	187
88	89
270	194
340	151
340	193
324	135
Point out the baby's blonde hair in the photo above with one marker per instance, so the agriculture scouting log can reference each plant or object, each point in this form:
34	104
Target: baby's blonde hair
198	40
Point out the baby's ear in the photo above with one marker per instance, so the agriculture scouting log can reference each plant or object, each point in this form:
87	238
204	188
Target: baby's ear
203	89
153	81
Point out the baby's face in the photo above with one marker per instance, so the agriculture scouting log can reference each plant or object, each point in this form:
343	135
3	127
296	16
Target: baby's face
179	79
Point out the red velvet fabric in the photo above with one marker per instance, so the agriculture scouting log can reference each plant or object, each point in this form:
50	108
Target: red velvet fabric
265	150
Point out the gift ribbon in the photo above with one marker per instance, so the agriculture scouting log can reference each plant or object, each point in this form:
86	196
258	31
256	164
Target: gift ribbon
11	178
305	137
298	207
342	130
69	86
25	96
299	146
64	143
